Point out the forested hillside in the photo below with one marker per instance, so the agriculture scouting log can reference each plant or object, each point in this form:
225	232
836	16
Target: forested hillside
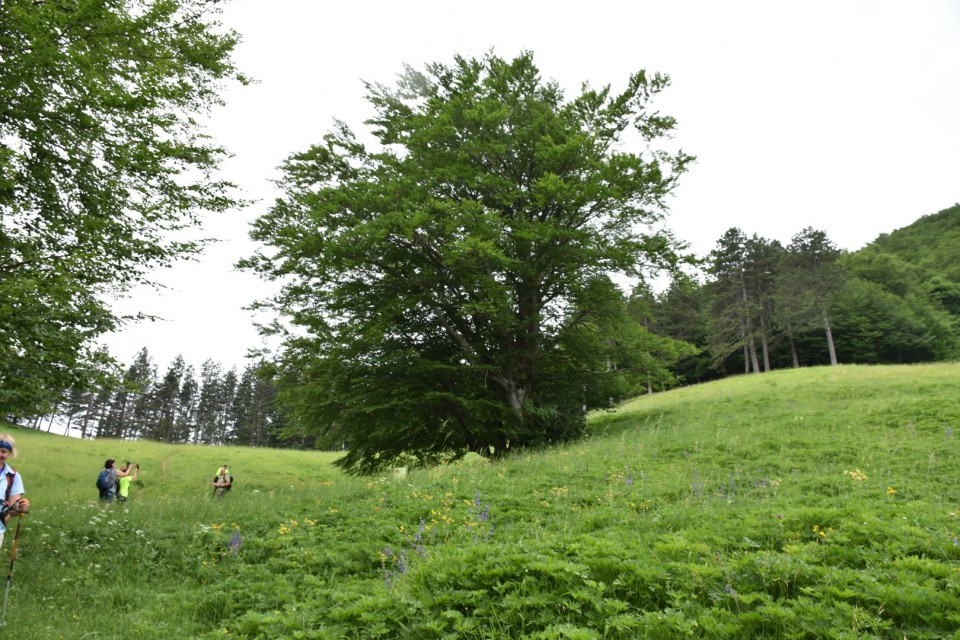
931	243
759	305
930	250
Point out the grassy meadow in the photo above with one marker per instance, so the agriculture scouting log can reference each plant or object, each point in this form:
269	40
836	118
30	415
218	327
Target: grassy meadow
812	503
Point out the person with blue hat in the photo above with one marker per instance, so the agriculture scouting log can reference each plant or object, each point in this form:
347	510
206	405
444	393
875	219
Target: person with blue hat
14	504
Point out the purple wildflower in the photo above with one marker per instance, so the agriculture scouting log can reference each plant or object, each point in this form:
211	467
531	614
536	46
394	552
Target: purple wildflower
417	544
698	486
235	543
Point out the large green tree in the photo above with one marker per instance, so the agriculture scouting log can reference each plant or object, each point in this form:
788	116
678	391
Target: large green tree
101	161
434	275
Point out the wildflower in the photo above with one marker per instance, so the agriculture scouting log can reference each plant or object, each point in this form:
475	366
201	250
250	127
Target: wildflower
891	491
387	574
418	539
698	486
235	543
856	474
484	513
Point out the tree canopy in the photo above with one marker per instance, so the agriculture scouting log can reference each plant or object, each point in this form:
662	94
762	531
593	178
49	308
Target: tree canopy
101	162
440	279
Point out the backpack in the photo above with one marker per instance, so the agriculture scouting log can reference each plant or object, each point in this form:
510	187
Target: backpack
103	480
11	474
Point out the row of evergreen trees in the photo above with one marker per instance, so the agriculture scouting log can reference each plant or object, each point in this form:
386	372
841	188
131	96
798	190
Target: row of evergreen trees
217	408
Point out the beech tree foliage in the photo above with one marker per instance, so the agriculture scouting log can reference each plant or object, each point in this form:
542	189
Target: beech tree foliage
435	274
101	160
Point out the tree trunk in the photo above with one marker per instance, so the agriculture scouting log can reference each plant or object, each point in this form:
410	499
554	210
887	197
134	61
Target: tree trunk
793	351
748	326
833	352
753	354
764	345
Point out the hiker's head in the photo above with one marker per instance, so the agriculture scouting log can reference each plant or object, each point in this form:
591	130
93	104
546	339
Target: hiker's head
109	463
126	465
7	446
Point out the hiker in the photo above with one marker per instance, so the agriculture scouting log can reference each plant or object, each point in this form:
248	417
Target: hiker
107	481
14	503
123	481
222	482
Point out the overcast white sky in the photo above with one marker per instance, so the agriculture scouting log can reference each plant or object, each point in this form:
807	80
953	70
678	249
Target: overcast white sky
843	115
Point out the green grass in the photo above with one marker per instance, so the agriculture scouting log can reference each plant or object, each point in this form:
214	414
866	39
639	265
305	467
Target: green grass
817	503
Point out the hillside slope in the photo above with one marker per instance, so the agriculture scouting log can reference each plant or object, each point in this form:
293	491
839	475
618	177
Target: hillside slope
812	503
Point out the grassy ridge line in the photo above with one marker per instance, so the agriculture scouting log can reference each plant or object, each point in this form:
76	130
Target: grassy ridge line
810	503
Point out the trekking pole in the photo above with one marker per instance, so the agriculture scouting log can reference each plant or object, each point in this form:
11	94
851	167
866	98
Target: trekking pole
13	556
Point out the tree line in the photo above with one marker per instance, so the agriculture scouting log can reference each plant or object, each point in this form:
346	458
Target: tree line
759	305
214	406
753	305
